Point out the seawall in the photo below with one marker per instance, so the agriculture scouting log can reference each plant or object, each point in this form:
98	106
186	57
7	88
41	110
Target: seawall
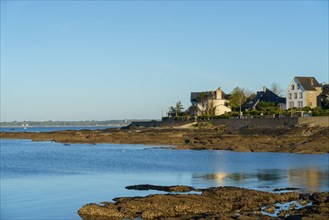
321	121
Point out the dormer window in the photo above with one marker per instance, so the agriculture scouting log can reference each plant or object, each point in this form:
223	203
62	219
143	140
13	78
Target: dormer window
298	86
292	87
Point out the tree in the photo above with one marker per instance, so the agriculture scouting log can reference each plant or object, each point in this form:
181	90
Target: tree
192	110
202	99
276	88
171	112
237	98
210	108
179	108
325	96
250	96
176	110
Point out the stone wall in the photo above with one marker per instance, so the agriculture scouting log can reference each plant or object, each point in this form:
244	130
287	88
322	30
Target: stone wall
322	121
256	122
154	124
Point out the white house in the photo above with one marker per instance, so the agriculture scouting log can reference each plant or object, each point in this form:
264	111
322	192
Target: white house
210	102
303	91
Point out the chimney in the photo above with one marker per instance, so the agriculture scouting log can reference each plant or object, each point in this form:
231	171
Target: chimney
219	94
311	79
264	89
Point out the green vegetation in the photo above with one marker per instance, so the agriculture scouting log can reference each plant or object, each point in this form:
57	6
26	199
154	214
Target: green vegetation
237	98
325	96
177	110
318	111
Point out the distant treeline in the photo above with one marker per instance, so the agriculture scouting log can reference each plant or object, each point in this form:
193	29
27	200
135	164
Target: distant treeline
66	123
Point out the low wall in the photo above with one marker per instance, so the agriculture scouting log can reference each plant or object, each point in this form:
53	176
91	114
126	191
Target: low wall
256	122
322	121
154	124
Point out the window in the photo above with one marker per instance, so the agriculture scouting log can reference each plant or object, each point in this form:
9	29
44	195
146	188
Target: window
311	104
291	104
300	95
295	95
292	87
300	104
298	86
290	95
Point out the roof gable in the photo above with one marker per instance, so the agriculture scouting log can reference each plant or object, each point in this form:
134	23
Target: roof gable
308	83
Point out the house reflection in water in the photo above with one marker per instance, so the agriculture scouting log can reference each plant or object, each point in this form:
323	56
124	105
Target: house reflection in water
311	179
221	178
218	177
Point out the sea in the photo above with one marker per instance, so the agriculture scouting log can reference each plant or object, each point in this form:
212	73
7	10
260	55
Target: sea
48	180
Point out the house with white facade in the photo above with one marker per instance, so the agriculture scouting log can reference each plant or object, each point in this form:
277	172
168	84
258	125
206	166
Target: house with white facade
303	91
210	102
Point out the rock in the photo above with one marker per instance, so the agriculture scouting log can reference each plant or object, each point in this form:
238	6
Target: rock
97	210
161	188
313	139
270	210
285	189
242	149
212	203
320	196
303	202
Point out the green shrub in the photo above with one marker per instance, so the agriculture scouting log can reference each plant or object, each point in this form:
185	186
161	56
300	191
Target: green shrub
317	111
222	116
306	109
266	105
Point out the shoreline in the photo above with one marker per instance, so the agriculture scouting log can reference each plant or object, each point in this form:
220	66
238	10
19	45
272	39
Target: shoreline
307	140
214	203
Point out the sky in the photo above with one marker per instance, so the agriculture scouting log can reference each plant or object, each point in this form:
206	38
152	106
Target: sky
103	60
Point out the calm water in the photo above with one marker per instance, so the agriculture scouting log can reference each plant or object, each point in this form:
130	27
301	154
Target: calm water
46	180
50	129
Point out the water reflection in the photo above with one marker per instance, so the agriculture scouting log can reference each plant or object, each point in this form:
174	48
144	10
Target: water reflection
308	179
312	178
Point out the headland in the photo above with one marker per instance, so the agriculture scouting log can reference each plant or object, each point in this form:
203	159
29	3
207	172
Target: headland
308	138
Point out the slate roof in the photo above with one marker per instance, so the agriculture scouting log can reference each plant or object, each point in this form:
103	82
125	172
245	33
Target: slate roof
267	96
308	83
208	95
196	95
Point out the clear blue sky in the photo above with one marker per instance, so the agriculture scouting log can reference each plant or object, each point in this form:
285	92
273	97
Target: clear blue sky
98	60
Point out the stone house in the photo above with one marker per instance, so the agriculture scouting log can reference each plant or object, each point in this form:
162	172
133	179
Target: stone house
210	103
303	91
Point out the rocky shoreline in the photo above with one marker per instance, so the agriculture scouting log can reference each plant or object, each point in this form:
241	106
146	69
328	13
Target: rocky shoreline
212	203
309	140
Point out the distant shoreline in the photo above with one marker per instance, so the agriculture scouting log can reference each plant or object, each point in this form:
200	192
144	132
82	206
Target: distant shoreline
305	140
63	126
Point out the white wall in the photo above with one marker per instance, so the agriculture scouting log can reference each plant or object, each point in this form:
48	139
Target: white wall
292	92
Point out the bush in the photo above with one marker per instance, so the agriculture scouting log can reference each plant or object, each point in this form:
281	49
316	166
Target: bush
317	111
222	116
306	109
255	112
266	105
234	114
